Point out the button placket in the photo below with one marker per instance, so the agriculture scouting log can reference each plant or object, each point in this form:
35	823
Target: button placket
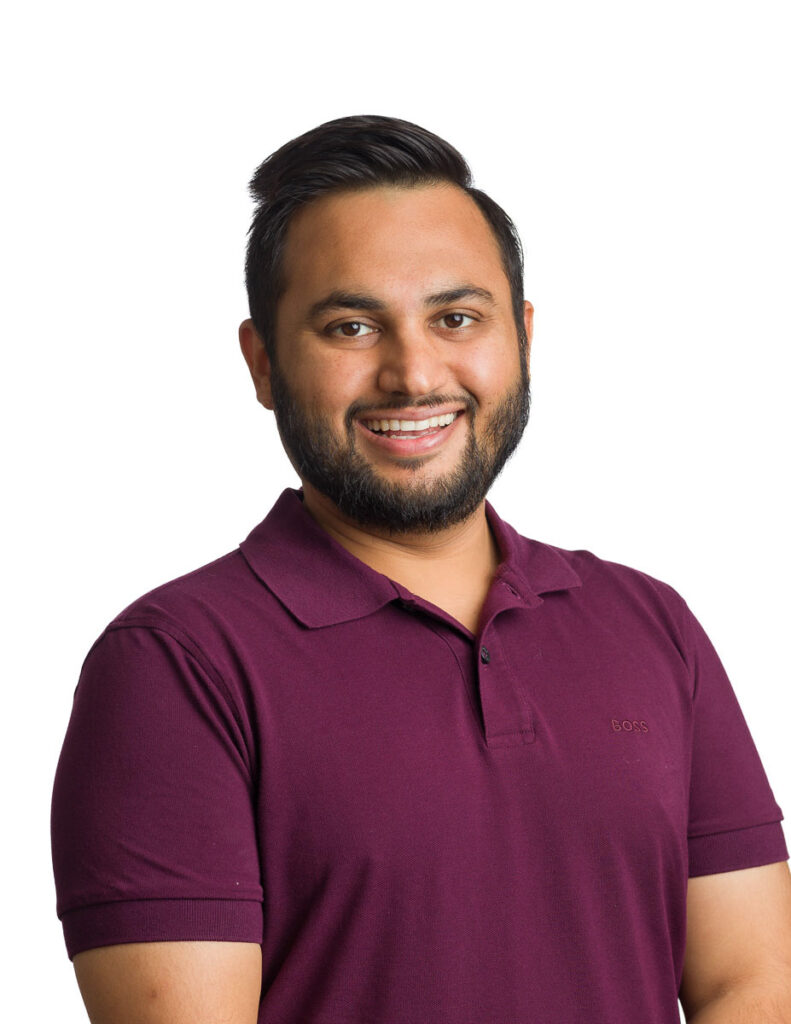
507	717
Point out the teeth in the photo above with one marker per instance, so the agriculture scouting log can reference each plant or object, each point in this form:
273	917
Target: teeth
433	421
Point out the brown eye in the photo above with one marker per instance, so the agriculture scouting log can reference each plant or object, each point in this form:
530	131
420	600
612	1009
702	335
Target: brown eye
351	329
455	317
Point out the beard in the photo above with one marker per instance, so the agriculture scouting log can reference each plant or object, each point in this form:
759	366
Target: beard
338	470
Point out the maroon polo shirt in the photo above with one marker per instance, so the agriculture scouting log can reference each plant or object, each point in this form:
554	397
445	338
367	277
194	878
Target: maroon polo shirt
417	824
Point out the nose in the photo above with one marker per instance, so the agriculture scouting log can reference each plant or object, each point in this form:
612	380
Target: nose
411	363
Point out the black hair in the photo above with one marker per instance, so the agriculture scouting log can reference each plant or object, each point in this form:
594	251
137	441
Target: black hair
347	154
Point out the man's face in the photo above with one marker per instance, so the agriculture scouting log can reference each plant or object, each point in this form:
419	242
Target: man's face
367	329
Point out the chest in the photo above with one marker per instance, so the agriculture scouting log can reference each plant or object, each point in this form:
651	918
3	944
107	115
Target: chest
386	729
405	776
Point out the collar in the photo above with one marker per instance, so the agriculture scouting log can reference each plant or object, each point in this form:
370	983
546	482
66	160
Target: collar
322	584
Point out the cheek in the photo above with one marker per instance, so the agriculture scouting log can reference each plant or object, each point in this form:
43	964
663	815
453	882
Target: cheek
489	371
330	383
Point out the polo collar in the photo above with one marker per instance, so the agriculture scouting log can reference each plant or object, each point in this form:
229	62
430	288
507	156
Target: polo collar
322	584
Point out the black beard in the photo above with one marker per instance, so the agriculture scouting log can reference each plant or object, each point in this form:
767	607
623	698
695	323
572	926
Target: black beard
344	476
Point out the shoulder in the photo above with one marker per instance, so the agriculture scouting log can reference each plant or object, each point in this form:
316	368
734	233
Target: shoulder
597	571
190	596
204	610
602	586
588	576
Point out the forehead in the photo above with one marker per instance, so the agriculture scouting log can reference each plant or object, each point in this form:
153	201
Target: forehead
390	237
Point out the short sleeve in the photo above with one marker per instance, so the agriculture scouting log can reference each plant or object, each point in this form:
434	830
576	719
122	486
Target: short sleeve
734	820
153	822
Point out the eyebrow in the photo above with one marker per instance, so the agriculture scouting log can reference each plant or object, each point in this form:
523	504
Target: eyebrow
351	300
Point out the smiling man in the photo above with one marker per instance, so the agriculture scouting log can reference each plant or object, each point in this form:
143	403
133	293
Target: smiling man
399	380
390	761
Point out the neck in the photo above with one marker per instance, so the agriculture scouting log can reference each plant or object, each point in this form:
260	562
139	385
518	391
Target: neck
449	557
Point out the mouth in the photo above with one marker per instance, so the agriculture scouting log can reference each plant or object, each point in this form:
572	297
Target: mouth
410	437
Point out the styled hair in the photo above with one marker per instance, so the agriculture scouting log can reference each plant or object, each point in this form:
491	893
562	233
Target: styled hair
348	154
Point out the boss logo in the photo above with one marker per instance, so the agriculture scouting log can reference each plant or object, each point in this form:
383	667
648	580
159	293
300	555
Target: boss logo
624	725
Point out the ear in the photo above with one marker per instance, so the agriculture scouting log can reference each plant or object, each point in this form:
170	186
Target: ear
528	330
257	360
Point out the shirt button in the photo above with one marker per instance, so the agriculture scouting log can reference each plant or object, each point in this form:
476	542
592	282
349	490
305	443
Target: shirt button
485	655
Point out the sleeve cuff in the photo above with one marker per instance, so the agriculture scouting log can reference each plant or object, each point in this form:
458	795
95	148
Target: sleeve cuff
736	849
162	920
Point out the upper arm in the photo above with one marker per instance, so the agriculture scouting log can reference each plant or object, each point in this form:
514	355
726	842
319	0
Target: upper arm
738	930
171	982
155	818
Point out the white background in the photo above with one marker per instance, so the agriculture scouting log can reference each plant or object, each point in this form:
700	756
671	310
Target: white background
642	150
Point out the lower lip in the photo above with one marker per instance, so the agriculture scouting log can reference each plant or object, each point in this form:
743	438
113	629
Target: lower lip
411	445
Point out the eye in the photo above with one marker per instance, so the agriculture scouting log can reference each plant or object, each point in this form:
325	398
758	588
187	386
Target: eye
353	331
457	317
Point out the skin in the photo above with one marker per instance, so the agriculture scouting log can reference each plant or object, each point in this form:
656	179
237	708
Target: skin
400	245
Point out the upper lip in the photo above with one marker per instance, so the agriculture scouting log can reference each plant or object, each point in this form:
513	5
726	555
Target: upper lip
416	415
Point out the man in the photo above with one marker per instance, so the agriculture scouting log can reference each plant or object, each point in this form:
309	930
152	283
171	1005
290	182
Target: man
389	760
